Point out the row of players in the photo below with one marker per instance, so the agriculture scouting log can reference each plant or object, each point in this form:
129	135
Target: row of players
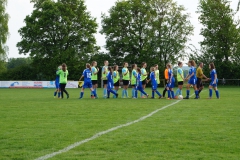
138	80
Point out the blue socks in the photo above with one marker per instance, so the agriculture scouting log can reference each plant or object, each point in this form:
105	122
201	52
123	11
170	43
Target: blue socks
59	94
123	92
133	93
169	93
217	93
210	93
81	94
172	94
104	92
196	93
55	93
188	93
153	94
158	93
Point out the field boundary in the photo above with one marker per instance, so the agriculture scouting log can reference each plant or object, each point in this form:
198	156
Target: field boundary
74	145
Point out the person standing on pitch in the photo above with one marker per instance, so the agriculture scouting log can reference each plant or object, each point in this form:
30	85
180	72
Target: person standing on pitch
166	81
144	75
154	83
63	73
180	79
58	90
171	82
110	83
139	84
157	74
192	79
200	76
126	79
214	81
104	78
87	74
116	79
134	80
94	77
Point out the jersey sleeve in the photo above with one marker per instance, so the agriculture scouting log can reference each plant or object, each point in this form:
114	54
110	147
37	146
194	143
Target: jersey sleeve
114	74
142	71
58	72
179	71
124	70
93	70
134	73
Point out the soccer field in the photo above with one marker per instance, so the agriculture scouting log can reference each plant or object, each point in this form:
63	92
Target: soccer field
34	124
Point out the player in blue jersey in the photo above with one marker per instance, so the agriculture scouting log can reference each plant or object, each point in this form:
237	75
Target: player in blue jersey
57	84
192	79
139	84
154	83
171	82
134	80
110	83
214	81
87	74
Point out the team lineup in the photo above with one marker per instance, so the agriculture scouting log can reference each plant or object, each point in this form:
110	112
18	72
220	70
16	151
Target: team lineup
137	79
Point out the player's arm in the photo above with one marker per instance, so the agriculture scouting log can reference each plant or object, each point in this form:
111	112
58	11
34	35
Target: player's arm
125	72
215	79
81	77
114	74
95	71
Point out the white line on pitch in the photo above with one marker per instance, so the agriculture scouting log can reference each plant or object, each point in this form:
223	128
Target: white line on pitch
102	133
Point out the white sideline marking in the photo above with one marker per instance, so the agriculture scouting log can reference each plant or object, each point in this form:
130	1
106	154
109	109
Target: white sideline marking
102	133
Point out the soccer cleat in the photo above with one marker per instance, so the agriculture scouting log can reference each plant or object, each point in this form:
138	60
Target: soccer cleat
186	97
196	98
159	97
80	98
147	95
92	97
116	95
152	98
67	96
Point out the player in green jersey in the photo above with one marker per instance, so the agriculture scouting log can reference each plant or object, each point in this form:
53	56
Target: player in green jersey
63	73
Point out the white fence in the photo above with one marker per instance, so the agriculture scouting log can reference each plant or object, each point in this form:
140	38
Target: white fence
34	84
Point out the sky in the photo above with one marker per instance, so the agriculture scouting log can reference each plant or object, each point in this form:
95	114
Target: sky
19	9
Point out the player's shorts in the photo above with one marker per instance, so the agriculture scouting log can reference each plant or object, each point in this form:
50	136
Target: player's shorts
199	83
116	84
171	85
57	85
133	85
109	85
214	85
105	81
125	82
180	83
87	85
94	82
144	82
154	86
192	81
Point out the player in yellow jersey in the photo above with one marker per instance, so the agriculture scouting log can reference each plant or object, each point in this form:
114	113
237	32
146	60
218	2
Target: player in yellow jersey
180	79
157	74
104	78
144	75
134	80
94	76
126	79
116	78
200	76
63	73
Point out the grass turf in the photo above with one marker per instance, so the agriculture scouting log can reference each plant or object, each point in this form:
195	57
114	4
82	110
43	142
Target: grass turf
34	124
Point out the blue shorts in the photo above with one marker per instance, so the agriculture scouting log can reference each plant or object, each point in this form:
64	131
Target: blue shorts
57	84
192	81
170	85
109	86
154	86
213	85
87	85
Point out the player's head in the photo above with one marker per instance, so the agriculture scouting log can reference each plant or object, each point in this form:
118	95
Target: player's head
180	64
152	69
110	69
211	66
106	63
139	70
64	67
115	67
134	66
169	66
144	64
156	66
201	64
191	63
88	66
94	63
125	64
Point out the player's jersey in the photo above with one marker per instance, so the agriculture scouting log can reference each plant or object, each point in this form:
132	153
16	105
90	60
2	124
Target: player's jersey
134	77
212	74
157	76
87	75
110	79
139	80
153	78
63	76
115	76
199	73
192	70
179	74
170	72
94	76
143	74
166	74
104	75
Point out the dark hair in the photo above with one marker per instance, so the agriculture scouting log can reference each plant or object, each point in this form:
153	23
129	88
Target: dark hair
64	67
143	63
200	63
179	63
110	69
212	66
124	63
88	66
169	65
133	65
139	70
192	62
114	67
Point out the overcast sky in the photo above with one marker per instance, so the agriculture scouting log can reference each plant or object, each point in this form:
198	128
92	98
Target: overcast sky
18	9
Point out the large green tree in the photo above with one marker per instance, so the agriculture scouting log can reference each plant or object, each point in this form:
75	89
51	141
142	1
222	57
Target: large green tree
56	32
155	31
221	35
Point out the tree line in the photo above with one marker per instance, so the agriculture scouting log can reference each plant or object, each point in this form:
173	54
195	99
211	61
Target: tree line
153	31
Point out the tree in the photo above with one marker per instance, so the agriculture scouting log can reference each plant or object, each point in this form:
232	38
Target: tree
56	32
220	33
3	33
17	62
155	31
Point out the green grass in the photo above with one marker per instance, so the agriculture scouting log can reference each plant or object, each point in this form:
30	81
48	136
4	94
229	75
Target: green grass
33	124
